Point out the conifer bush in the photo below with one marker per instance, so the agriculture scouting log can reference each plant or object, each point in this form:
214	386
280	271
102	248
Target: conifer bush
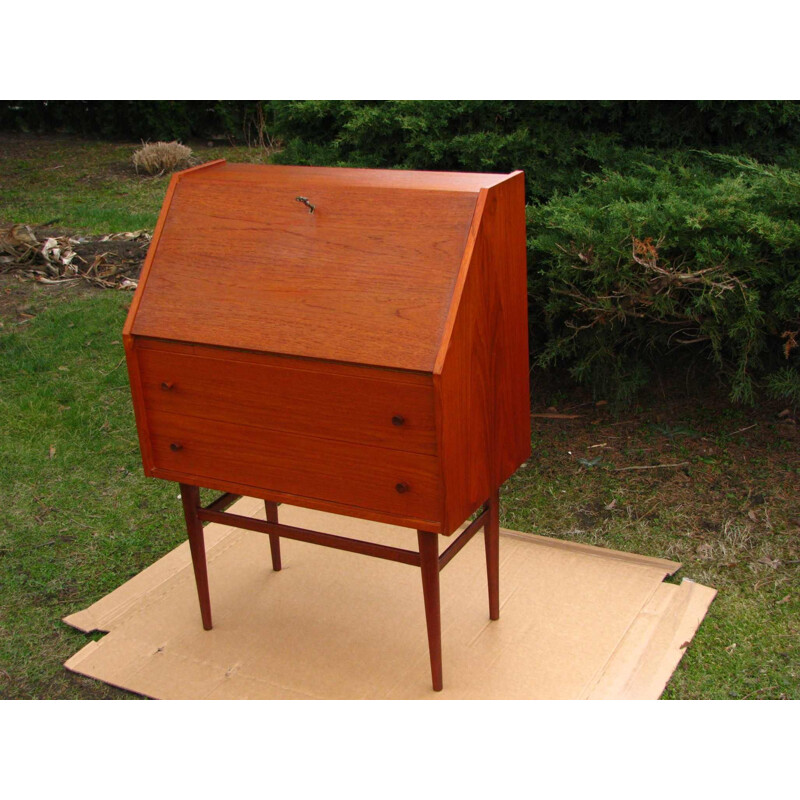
686	253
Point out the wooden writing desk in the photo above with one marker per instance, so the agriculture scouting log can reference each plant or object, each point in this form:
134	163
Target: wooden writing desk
349	340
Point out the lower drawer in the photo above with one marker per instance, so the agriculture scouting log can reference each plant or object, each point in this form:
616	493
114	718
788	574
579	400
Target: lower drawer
389	481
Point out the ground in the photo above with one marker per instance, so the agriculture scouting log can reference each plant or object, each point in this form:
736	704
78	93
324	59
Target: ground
683	474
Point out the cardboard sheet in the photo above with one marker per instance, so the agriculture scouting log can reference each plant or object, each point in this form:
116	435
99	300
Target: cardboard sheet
575	621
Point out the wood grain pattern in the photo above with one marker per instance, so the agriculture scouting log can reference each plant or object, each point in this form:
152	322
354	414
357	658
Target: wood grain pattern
151	251
127	337
482	391
367	278
291	396
332	369
337	471
461	280
279	496
419	180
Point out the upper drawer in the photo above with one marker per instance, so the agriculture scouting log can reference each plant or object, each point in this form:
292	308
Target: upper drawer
291	395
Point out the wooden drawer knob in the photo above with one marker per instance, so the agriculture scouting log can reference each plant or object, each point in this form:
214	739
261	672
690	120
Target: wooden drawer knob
398	420
166	386
402	488
175	447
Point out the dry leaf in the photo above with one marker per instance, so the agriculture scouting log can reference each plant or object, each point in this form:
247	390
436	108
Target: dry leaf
111	237
730	648
52	452
50	250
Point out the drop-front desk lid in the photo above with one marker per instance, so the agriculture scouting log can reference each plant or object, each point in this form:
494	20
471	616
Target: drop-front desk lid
238	261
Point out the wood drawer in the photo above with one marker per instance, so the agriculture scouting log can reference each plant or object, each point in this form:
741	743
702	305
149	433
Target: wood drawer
290	395
340	472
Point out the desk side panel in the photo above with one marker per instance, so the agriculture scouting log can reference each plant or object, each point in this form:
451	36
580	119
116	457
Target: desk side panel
483	390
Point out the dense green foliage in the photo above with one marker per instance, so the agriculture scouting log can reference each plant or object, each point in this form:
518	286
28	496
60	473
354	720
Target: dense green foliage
556	143
641	247
684	252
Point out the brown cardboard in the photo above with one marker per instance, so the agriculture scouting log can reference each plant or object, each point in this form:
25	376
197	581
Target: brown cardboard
575	621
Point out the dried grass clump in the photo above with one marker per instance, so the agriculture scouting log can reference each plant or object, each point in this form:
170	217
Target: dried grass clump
160	157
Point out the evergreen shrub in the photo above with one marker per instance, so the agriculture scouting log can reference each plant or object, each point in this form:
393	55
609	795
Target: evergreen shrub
685	253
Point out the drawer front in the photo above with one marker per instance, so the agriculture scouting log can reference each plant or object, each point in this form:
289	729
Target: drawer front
390	481
291	398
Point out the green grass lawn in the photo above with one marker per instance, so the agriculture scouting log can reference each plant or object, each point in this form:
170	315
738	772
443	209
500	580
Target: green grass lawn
77	517
87	187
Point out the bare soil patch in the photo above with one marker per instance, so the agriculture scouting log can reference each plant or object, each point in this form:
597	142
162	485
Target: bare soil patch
53	256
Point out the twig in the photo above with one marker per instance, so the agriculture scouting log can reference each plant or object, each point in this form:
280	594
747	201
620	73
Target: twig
114	368
741	430
557	416
653	466
642	516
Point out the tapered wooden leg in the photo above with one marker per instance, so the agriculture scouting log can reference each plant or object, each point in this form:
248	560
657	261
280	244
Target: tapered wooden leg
190	496
429	563
491	539
274	539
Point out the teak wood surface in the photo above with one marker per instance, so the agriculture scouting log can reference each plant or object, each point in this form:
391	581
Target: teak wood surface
369	358
366	278
287	395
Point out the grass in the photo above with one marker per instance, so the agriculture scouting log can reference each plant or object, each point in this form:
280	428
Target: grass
77	517
89	189
75	513
731	515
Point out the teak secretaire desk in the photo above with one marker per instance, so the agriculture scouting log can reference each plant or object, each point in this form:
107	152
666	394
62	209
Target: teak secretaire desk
348	340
